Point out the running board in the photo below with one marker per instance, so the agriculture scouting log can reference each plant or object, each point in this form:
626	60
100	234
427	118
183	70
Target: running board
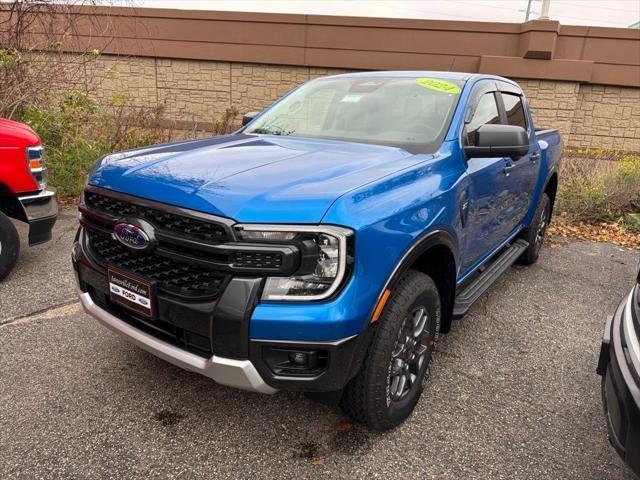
475	289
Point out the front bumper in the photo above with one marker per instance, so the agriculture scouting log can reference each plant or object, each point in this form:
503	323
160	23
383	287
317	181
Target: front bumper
226	371
619	364
40	211
212	337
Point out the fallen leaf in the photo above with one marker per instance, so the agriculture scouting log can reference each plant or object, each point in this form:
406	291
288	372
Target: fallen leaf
346	425
616	233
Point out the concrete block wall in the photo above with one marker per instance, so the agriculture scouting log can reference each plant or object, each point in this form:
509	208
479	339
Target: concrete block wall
553	103
607	117
198	92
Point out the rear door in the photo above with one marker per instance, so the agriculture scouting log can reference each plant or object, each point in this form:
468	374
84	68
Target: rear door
486	198
523	172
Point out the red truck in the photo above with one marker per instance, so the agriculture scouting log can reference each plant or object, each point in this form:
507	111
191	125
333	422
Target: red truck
24	195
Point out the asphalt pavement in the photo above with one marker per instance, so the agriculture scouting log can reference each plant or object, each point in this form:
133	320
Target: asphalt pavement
513	395
43	276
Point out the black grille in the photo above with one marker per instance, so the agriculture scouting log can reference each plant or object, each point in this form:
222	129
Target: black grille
193	228
172	276
257	260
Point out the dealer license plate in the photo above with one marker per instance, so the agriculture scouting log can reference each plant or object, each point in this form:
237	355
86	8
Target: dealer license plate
131	292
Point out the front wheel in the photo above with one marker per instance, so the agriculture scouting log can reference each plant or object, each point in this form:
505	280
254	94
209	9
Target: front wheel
536	232
9	245
396	369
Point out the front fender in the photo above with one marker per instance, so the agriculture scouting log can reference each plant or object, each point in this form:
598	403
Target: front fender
426	241
394	218
398	218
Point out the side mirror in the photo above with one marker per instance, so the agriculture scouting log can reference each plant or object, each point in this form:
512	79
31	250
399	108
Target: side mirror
247	117
499	141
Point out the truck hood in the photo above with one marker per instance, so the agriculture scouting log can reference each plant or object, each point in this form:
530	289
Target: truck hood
250	178
15	134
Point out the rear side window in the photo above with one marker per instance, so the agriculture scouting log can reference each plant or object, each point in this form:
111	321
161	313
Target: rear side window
514	109
486	113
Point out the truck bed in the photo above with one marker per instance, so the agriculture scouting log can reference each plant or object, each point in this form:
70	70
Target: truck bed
541	132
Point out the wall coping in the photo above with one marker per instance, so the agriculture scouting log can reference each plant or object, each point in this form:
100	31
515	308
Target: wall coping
536	49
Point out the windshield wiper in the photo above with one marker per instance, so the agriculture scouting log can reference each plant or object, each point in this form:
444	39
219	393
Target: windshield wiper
274	131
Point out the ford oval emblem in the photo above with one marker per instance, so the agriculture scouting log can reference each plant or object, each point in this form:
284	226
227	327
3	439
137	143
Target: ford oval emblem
131	236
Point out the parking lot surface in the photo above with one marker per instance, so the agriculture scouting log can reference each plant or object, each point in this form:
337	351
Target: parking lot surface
513	394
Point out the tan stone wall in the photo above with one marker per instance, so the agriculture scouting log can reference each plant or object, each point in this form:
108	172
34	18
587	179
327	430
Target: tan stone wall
192	90
200	91
113	79
552	103
607	117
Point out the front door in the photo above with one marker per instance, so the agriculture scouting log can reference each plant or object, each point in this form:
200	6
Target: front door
522	172
488	200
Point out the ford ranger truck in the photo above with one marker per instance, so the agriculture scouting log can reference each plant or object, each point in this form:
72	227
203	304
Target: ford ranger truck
24	195
325	245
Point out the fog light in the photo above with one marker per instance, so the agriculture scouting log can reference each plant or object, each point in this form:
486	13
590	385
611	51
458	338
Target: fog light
289	361
299	358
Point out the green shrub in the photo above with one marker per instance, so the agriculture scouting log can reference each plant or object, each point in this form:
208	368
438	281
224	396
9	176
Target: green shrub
76	131
596	190
629	169
69	148
632	220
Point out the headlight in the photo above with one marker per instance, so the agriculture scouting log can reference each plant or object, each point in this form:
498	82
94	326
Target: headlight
37	167
324	259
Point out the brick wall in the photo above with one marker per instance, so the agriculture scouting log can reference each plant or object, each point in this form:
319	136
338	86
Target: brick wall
197	91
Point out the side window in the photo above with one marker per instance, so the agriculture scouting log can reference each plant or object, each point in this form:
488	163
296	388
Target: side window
515	110
486	112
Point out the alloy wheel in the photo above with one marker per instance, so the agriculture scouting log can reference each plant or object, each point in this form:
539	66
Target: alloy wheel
542	227
412	348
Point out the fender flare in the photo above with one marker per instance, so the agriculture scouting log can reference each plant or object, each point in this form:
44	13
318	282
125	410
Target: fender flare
423	243
552	172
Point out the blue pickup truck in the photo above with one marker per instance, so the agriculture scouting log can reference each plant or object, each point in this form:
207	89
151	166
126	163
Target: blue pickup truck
325	245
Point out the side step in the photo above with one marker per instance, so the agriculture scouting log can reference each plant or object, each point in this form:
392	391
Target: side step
475	289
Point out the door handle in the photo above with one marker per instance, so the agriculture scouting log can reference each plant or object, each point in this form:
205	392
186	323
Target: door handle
508	169
534	157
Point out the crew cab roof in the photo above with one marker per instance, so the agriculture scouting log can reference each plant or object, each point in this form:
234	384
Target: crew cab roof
456	76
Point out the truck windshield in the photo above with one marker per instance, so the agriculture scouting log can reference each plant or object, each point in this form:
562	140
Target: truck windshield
411	113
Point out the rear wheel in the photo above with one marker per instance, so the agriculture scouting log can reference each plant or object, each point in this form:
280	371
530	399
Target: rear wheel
9	245
396	369
536	232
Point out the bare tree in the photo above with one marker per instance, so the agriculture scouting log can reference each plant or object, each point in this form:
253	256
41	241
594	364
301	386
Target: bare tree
44	48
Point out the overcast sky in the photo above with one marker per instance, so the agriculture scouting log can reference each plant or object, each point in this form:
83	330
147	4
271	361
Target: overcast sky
609	13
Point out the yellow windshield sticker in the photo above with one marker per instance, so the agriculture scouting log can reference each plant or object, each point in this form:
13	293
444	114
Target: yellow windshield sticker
438	85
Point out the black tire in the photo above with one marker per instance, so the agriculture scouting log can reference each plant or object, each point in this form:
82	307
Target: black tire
536	232
603	393
377	396
9	245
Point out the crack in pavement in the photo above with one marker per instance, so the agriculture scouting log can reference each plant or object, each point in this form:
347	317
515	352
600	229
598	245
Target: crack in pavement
54	311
